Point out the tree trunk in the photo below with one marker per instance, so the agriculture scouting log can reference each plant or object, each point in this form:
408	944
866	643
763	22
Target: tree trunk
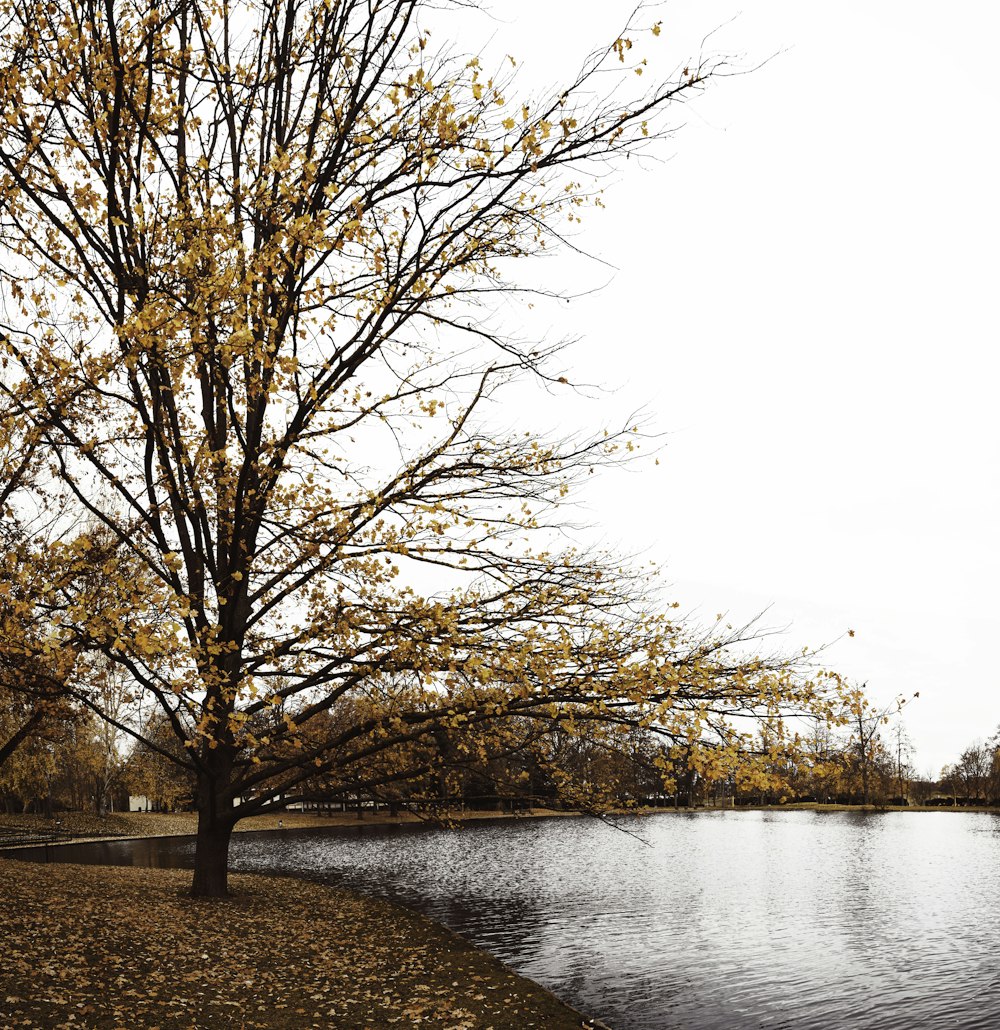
211	858
101	798
215	827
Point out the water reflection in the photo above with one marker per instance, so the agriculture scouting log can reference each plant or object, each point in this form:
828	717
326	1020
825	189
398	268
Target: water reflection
726	920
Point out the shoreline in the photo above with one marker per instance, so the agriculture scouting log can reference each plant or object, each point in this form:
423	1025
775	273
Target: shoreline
80	828
26	831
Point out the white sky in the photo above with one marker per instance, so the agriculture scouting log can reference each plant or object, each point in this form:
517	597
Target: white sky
805	301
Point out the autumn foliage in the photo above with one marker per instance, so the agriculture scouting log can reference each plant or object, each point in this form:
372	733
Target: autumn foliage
251	255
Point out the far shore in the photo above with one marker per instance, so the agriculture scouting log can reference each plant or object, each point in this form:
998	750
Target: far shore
806	806
77	827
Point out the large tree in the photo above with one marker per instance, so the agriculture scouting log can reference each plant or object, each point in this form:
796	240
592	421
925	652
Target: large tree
253	256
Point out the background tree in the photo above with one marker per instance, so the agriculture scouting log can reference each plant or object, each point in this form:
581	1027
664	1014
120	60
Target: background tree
828	773
972	771
902	753
254	251
993	781
33	668
112	695
873	759
157	768
53	769
950	783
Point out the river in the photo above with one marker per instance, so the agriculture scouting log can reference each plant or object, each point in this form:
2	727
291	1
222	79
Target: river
710	921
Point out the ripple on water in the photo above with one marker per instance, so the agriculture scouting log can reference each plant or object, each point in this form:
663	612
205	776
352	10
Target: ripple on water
728	920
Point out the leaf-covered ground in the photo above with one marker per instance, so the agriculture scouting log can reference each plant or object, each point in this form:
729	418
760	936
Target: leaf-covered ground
95	946
115	824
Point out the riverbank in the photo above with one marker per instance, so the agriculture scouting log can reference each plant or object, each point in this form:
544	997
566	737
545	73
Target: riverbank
122	947
79	827
816	806
82	826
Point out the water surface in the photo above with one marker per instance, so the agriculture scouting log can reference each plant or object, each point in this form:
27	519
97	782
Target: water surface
720	921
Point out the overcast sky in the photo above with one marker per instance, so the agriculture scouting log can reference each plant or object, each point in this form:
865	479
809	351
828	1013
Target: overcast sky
805	300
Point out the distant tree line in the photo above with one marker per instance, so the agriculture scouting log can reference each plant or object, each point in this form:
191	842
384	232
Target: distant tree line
870	760
71	759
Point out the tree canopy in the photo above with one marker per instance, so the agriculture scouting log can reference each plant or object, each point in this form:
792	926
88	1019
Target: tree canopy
253	253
